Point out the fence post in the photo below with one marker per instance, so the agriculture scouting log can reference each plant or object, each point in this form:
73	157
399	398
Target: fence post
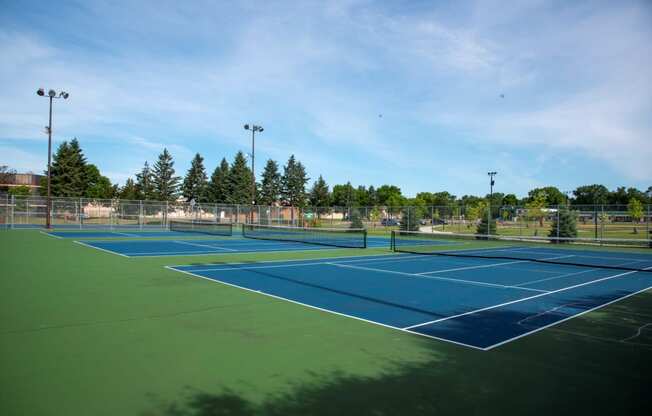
13	210
647	225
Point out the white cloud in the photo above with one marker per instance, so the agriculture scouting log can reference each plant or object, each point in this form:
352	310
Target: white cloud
153	76
21	160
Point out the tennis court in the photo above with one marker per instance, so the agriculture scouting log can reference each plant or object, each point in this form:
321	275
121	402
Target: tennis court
226	245
475	302
118	234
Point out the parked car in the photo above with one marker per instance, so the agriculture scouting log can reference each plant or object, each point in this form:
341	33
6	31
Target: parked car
389	222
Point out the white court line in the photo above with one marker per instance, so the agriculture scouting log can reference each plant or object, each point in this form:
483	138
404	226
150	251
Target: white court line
98	248
51	235
203	245
556	277
314	263
517	301
558	257
380	258
325	310
357	257
125	234
566	319
463	281
473	267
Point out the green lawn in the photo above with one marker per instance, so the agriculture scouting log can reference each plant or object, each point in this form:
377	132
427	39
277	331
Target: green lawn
84	332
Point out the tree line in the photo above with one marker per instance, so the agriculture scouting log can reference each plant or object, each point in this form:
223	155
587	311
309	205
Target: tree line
230	183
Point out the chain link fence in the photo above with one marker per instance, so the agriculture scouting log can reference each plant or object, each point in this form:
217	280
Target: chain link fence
593	221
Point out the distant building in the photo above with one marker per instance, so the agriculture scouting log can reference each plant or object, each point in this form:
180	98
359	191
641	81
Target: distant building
11	180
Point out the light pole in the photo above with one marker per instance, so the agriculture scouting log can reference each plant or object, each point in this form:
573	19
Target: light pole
254	128
491	197
51	95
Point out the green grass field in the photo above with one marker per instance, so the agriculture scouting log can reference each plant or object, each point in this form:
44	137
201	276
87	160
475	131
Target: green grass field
89	333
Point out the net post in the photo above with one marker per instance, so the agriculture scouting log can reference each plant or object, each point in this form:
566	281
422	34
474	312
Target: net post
365	239
392	243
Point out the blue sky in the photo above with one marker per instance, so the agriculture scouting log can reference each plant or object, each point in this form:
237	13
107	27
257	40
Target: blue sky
406	93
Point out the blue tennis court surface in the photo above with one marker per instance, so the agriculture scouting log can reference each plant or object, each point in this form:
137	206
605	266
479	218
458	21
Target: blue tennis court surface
150	248
119	234
478	303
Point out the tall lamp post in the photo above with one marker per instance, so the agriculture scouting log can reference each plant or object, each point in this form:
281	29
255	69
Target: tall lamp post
491	197
254	128
52	94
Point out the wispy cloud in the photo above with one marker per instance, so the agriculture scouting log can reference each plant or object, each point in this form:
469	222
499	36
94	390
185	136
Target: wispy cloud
356	85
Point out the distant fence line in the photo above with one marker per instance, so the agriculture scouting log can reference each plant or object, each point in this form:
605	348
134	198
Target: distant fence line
29	211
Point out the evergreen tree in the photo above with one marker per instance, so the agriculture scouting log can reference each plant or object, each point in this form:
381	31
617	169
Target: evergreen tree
564	224
129	191
487	225
239	181
410	220
319	194
195	184
68	170
270	189
145	183
356	219
166	185
293	182
218	188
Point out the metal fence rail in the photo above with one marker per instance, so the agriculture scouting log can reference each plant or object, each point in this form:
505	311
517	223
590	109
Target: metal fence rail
595	221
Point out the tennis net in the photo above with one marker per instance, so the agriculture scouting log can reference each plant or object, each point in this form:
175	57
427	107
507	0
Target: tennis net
337	237
620	254
204	227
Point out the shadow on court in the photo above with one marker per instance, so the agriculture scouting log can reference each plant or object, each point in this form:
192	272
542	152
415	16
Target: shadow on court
590	365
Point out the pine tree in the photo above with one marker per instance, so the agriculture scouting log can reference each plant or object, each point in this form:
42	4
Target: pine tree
410	220
486	223
319	194
294	179
218	188
129	191
564	224
68	170
166	185
145	183
320	197
239	181
270	189
195	184
356	219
